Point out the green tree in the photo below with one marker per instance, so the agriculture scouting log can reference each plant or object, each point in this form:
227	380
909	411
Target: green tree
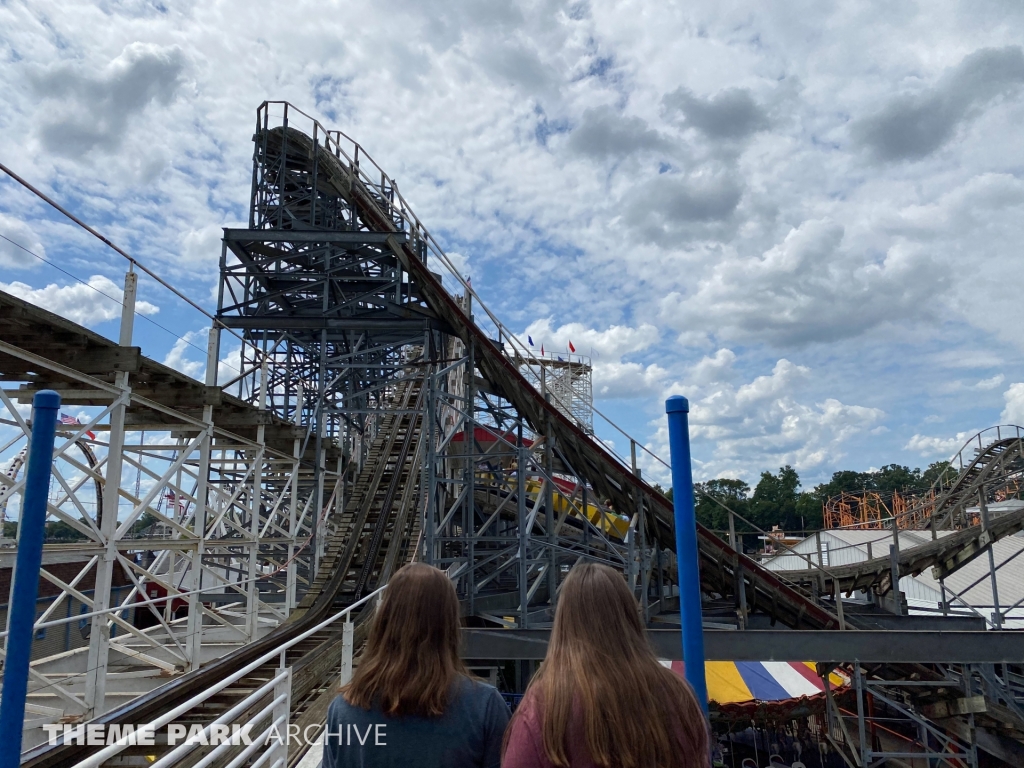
896	477
732	493
58	530
845	480
146	519
935	471
775	500
810	510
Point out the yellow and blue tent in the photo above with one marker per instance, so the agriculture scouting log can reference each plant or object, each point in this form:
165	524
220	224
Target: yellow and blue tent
740	682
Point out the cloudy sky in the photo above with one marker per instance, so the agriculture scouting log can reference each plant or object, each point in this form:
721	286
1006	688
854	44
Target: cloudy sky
807	221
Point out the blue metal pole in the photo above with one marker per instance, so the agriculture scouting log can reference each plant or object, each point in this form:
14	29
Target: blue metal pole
25	588
678	409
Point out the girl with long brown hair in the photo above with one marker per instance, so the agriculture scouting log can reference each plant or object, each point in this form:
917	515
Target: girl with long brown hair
411	701
601	698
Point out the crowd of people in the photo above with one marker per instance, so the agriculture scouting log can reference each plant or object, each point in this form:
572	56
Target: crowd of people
600	699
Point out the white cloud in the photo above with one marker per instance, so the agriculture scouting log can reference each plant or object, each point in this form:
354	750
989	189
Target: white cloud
945	447
912	126
87	304
188	356
938	447
613	377
737	431
689	178
202	245
718	367
229	366
88	111
990	383
614	342
1013	413
460	262
808	288
177	360
18	238
627	380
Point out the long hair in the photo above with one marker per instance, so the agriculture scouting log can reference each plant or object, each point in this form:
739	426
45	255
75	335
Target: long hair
636	713
411	659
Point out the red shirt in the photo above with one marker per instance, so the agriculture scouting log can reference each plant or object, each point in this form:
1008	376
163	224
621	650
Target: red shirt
526	740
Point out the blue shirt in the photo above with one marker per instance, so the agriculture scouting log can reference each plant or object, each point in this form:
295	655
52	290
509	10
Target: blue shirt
468	734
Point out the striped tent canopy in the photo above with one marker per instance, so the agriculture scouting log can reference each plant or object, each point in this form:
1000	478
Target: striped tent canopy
739	682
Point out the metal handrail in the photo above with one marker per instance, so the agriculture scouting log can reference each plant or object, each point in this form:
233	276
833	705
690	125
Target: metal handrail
93	761
229	716
981	445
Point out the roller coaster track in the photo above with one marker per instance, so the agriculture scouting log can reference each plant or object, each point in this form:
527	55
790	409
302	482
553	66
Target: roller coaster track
369	544
985	469
379	527
992	468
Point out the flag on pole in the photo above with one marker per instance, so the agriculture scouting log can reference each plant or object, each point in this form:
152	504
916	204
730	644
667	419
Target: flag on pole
571	347
72	421
542	349
529	339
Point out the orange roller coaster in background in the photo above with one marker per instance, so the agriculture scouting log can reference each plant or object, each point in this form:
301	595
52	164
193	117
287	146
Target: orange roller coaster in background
873	510
990	465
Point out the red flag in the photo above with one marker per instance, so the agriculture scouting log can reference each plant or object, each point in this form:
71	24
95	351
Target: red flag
542	349
571	347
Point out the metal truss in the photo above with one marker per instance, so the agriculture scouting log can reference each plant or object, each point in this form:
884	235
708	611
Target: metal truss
893	722
318	201
567	380
506	513
196	503
990	464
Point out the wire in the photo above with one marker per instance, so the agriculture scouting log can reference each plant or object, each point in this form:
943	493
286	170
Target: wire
131	259
101	293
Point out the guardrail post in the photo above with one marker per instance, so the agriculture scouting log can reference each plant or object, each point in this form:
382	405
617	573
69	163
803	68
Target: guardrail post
687	558
282	711
997	617
25	588
469	509
741	585
631	569
549	508
865	751
347	638
522	459
430	508
894	577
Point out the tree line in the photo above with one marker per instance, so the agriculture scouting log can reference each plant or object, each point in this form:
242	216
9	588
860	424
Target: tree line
777	499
